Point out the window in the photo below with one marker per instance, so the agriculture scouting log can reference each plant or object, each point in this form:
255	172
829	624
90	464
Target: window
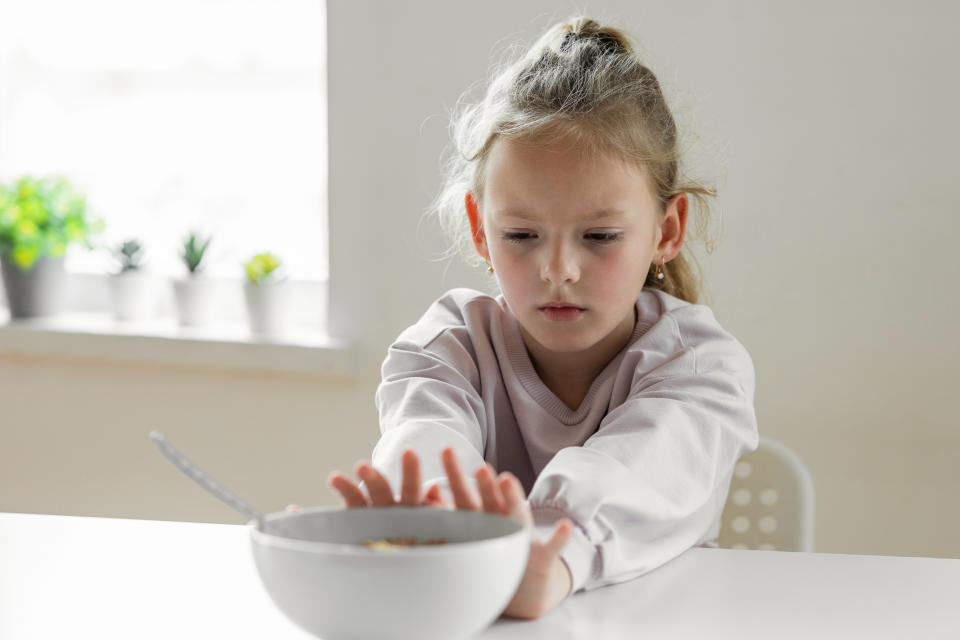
175	115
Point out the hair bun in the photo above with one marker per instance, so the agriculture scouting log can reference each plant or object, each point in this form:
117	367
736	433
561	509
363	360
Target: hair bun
609	41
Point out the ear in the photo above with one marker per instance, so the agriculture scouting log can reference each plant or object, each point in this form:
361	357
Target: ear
476	227
673	227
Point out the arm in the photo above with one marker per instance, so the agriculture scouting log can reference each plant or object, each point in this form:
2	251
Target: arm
428	400
651	482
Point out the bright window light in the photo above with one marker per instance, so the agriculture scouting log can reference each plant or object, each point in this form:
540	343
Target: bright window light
172	116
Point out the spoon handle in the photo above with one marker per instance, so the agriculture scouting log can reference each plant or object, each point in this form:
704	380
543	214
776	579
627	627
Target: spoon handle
197	475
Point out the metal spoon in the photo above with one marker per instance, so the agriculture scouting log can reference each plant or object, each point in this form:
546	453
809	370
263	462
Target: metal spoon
200	477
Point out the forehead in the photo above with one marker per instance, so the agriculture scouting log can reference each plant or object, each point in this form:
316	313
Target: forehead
547	180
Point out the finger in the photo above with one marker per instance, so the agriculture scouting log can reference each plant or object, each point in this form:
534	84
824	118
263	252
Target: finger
410	488
434	497
432	494
352	495
381	495
560	538
513	495
463	497
493	501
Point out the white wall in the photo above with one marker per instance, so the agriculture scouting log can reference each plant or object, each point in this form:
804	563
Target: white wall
836	126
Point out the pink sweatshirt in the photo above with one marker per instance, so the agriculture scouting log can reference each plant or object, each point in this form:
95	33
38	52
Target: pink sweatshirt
642	468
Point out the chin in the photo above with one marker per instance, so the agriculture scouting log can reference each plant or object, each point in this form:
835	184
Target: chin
555	341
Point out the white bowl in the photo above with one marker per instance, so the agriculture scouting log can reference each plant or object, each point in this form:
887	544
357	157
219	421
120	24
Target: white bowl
317	571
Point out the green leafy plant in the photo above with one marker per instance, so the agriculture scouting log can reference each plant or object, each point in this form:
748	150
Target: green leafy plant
41	217
194	249
130	255
262	268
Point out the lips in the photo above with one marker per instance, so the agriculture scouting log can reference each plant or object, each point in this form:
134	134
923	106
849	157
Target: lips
560	305
561	311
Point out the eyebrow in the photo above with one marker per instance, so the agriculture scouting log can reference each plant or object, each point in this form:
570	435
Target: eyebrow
602	214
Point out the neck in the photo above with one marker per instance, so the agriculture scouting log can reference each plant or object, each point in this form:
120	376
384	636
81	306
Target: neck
578	369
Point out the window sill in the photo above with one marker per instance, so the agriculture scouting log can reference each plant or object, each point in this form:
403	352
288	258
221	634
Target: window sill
97	336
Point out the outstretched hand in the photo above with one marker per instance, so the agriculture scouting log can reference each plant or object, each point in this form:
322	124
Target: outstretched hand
546	581
412	493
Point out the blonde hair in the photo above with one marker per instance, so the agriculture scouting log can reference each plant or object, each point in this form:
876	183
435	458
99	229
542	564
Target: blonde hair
581	82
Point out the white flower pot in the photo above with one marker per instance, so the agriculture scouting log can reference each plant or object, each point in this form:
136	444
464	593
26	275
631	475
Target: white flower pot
36	293
196	300
133	295
267	307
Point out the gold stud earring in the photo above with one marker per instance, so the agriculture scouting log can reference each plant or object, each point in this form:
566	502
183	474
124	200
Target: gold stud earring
489	268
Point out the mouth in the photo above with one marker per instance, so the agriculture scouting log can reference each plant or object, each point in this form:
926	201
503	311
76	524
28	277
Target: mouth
561	312
560	305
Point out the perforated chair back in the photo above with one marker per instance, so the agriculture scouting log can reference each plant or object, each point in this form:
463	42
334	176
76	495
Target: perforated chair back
770	504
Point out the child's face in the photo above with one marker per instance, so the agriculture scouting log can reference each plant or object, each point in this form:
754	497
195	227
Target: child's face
561	227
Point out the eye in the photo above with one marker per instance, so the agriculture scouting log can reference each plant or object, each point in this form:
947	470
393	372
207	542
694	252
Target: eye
517	236
604	237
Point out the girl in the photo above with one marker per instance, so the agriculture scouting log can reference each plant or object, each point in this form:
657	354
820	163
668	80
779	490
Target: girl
613	406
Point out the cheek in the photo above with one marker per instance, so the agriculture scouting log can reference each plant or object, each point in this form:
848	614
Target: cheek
618	271
511	257
620	262
514	273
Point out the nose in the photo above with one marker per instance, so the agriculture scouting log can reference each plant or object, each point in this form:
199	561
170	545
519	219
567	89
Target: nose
560	265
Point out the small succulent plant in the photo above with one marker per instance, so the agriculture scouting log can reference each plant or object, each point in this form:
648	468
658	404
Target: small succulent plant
130	255
262	268
194	249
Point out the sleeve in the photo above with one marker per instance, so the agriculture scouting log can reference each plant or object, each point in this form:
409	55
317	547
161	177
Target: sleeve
653	479
428	399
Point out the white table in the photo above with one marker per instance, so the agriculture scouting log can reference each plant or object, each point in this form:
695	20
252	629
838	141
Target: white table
70	577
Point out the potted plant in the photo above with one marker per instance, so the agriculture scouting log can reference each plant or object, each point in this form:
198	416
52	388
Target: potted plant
131	287
39	219
195	293
265	292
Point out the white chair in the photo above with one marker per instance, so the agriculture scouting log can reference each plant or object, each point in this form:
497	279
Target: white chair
770	504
